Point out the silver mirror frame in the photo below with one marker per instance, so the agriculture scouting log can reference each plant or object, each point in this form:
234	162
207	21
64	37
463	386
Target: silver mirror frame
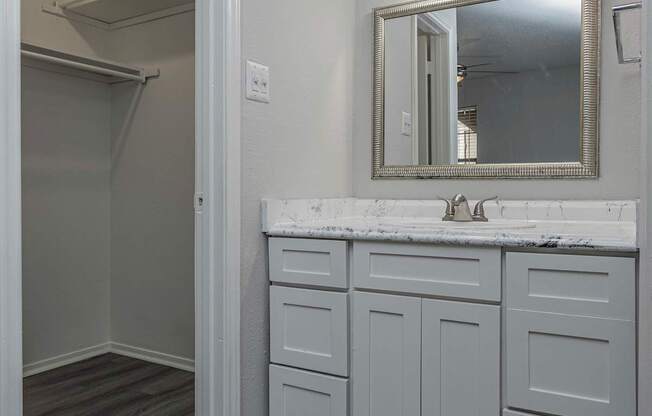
588	165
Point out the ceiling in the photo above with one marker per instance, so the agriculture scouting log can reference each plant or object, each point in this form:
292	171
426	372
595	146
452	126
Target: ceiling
520	35
115	11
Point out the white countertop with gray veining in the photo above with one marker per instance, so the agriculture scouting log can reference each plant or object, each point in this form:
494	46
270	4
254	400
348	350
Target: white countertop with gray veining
596	225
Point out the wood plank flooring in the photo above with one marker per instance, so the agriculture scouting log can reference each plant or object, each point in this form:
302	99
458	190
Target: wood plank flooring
110	385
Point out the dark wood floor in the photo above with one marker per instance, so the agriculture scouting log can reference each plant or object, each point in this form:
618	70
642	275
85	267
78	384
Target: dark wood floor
110	385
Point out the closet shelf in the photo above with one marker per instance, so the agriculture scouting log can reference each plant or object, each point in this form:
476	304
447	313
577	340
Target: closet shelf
112	72
116	14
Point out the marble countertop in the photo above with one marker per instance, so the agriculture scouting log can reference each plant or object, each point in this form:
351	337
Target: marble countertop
595	225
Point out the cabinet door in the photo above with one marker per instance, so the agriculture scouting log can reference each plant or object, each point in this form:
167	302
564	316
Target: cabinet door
302	393
386	355
460	359
570	365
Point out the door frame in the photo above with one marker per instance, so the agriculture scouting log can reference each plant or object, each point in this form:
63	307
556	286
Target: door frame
644	231
217	219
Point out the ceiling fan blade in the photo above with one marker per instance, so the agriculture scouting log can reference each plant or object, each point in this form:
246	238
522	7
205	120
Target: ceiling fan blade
493	72
480	56
476	65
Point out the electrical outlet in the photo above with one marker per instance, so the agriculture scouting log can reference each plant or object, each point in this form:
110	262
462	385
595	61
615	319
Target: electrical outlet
257	82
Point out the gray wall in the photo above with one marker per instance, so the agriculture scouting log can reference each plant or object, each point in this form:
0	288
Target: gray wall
152	187
66	177
620	131
532	116
297	146
55	32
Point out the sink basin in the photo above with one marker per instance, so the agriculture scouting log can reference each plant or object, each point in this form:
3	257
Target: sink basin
461	226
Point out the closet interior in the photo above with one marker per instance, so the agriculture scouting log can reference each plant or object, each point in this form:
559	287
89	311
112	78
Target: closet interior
108	177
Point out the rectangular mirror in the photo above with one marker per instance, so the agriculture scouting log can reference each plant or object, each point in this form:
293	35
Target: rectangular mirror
486	89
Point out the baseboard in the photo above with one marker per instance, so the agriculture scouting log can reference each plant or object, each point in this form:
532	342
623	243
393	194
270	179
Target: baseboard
65	359
155	357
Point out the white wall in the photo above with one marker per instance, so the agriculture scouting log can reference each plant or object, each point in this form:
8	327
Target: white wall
620	131
532	116
66	177
152	187
297	146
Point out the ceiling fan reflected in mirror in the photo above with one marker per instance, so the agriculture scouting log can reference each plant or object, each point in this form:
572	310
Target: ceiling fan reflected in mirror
463	71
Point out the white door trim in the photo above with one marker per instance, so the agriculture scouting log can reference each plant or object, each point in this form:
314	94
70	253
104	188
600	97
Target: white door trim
217	358
644	227
217	223
11	372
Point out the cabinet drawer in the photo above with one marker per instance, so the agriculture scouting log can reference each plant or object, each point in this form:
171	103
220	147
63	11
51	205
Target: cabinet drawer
295	392
309	329
594	286
469	273
321	263
570	365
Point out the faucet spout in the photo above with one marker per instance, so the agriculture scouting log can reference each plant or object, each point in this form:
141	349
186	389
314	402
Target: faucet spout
462	212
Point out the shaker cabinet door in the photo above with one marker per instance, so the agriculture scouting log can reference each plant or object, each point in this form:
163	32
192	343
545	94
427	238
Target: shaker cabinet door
460	359
569	365
386	355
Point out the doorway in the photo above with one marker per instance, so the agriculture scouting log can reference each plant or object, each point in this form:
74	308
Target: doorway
216	267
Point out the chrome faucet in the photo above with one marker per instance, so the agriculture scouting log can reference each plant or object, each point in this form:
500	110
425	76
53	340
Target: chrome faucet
457	209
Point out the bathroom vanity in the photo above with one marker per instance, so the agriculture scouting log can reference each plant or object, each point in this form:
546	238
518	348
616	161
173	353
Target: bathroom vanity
378	308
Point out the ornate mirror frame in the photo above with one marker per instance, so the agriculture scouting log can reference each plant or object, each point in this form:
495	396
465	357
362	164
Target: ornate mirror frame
586	167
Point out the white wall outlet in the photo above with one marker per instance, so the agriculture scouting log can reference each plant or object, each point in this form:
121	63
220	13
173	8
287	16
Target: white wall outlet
406	124
257	82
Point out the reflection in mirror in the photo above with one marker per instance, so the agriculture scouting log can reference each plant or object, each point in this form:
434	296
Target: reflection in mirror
495	82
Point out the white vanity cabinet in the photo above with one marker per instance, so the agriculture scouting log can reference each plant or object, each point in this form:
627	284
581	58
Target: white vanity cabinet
402	329
309	327
571	334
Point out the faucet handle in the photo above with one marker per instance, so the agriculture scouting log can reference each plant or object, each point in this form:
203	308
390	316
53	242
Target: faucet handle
478	211
449	206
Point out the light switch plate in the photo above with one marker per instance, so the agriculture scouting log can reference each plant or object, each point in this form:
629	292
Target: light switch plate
257	80
406	124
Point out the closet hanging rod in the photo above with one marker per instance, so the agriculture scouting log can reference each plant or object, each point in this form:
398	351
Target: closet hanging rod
86	64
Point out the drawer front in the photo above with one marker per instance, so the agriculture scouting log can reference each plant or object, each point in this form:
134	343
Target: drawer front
603	287
295	392
320	263
468	273
309	329
570	365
